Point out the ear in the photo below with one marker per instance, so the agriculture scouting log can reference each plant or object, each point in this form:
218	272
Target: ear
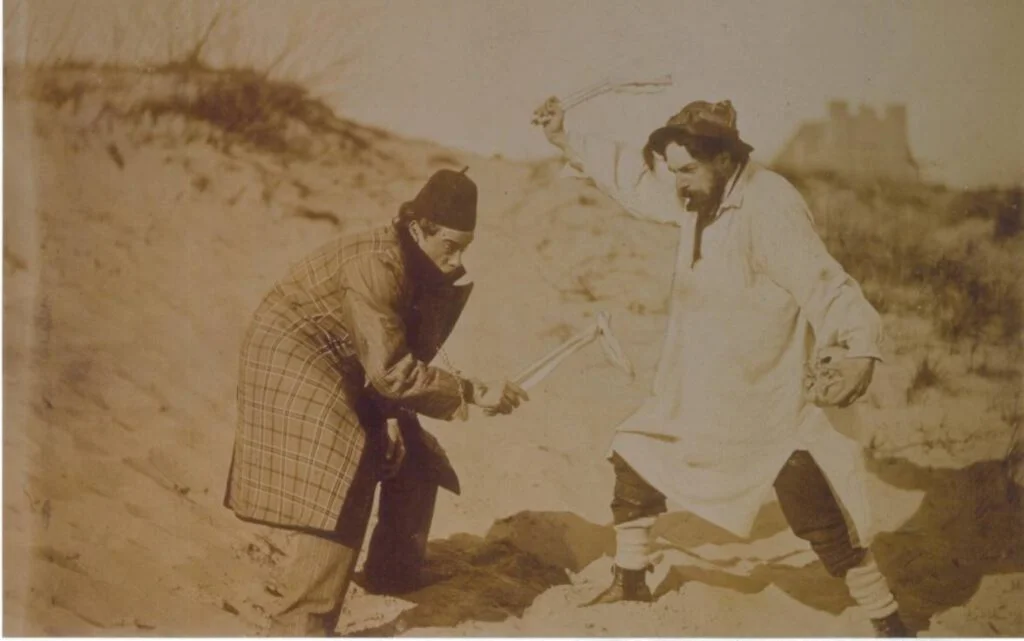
416	231
723	162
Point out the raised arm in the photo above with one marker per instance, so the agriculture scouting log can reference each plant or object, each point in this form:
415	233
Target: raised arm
617	168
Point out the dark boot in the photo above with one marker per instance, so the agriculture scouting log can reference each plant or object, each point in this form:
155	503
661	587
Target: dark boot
891	626
390	583
627	585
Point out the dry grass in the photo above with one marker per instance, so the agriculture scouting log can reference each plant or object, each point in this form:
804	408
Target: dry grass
1013	462
926	376
238	106
269	115
950	256
243	104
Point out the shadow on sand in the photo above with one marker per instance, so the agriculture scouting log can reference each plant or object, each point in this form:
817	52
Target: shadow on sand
470	578
969	525
966	527
809	584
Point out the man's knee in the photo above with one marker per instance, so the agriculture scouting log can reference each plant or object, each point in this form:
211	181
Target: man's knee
833	547
814	514
634	497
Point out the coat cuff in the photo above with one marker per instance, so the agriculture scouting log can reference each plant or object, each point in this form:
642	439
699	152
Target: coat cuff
467	391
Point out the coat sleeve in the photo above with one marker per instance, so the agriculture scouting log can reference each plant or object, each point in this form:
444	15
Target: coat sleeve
371	289
787	248
619	171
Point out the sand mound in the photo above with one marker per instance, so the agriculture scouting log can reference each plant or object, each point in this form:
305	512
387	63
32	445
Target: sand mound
139	240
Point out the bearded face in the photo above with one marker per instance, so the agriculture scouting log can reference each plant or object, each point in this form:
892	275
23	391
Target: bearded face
699	183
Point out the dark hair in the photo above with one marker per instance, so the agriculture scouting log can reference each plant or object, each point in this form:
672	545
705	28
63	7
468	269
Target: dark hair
702	148
407	215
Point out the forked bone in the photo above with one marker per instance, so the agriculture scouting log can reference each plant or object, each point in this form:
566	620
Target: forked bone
601	331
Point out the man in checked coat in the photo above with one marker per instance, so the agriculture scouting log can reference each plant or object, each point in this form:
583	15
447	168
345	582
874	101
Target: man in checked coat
333	372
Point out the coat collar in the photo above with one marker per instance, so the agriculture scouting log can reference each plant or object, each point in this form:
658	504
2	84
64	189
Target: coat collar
420	270
435	302
736	187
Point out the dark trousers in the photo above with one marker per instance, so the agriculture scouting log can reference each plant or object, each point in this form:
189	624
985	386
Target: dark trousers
398	545
806	499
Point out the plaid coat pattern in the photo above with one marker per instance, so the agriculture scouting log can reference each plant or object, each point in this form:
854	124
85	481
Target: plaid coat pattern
353	323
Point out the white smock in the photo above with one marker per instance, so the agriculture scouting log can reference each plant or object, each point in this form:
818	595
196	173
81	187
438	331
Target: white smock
727	407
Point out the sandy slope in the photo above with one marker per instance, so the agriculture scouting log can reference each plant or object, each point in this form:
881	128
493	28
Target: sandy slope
134	255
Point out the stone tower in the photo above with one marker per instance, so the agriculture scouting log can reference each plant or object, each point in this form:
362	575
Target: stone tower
860	146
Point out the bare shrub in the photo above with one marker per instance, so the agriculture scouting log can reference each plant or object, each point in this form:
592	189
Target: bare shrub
971	301
1009	371
903	244
241	104
1009	219
926	376
1013	462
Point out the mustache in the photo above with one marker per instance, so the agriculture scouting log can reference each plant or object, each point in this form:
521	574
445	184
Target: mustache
688	196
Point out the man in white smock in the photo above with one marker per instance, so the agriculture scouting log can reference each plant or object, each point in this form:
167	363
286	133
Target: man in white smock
755	296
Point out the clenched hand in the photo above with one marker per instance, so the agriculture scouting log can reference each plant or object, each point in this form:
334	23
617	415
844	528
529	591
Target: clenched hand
498	398
841	381
394	455
551	116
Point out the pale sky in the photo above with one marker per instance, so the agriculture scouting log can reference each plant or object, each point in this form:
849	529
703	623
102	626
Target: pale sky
468	73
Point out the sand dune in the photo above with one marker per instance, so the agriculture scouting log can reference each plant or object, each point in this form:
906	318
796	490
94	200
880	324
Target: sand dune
137	245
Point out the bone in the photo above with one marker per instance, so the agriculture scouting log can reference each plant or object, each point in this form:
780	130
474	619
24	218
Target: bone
612	83
648	84
540	368
610	344
576	98
600	330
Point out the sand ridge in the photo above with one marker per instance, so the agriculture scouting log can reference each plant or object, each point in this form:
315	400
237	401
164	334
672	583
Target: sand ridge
136	249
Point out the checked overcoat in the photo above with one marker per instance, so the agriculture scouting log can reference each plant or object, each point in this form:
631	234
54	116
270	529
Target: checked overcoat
355	322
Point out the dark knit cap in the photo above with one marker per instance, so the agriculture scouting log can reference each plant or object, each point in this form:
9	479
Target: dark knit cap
448	199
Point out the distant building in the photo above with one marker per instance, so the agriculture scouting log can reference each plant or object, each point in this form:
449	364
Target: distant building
859	146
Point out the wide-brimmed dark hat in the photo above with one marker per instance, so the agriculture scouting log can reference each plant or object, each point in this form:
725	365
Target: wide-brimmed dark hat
700	119
448	199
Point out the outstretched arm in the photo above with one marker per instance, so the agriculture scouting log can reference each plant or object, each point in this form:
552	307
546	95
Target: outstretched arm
370	312
789	251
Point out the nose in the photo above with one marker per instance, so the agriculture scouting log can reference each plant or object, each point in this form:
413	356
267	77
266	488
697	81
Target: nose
455	260
681	184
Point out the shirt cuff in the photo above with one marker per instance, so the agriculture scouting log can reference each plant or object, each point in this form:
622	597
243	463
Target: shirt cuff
863	349
575	144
